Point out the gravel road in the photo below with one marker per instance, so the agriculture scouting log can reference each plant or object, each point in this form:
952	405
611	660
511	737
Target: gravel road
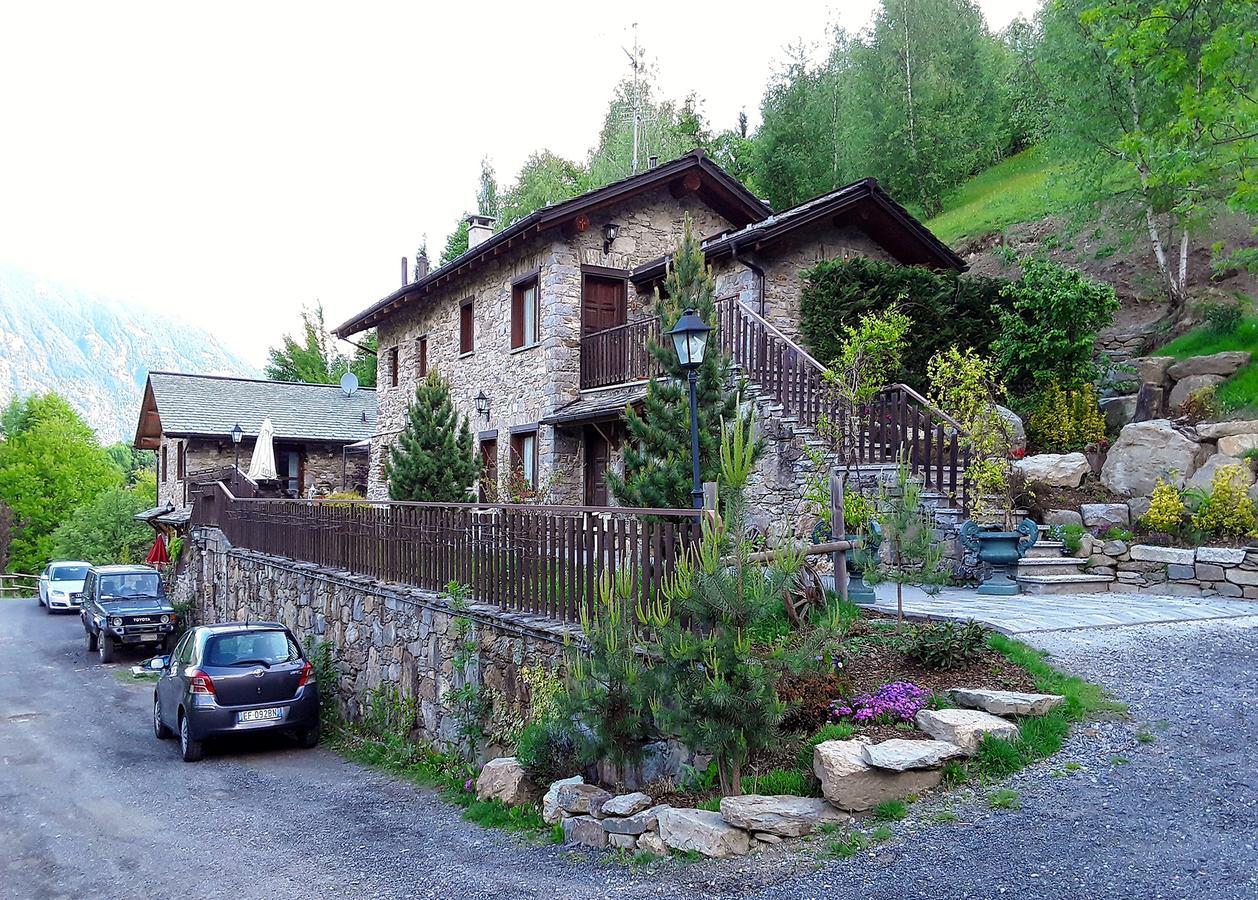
92	805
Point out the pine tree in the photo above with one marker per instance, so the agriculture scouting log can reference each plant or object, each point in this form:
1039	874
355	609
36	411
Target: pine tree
432	459
657	454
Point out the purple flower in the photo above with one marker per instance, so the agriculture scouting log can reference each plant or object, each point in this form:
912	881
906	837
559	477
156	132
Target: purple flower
899	701
467	785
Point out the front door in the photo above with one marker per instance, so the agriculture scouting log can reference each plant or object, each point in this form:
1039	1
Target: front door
288	469
603	303
597	457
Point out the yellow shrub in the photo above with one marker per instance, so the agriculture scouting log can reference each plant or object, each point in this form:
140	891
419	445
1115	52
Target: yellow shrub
1228	511
1064	421
1166	509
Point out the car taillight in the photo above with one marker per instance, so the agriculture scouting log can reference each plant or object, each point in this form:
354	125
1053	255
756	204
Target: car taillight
200	683
307	675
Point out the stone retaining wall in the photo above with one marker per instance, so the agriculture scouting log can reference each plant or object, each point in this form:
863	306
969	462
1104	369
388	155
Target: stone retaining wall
1183	571
381	633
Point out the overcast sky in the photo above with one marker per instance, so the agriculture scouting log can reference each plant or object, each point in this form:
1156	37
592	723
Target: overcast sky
230	162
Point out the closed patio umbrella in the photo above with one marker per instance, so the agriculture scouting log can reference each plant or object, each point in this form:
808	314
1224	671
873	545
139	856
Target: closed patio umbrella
262	465
158	555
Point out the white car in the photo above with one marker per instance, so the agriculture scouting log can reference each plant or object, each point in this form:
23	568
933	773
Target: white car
60	584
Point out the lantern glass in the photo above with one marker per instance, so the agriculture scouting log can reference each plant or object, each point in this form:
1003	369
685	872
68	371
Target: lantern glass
237	434
690	340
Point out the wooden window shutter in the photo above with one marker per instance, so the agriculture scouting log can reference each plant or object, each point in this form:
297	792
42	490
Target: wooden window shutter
422	355
466	322
517	318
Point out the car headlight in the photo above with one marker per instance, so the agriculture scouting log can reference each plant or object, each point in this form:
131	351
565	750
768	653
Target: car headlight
116	622
164	619
57	593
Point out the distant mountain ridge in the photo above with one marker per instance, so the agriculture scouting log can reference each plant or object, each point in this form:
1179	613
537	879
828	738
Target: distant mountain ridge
95	351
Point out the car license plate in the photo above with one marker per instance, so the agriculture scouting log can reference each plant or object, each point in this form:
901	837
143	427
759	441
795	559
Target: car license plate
258	715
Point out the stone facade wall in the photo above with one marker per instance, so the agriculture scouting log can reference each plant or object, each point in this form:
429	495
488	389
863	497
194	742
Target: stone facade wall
380	633
1182	571
526	384
321	471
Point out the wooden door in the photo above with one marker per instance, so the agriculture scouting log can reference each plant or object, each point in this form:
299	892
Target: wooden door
488	470
597	457
603	303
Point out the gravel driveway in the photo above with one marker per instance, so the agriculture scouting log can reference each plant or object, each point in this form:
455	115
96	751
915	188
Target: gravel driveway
92	805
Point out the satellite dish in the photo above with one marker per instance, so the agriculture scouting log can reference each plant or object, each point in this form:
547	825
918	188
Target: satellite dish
349	383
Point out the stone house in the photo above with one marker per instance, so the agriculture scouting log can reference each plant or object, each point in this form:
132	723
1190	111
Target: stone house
541	327
187	420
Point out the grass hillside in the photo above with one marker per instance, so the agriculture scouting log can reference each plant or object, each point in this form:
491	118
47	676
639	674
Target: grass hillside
1240	392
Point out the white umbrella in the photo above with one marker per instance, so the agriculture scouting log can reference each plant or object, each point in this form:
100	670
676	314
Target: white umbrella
262	465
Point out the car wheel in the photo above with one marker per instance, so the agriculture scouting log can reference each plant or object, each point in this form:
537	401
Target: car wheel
91	641
161	731
308	738
191	749
106	645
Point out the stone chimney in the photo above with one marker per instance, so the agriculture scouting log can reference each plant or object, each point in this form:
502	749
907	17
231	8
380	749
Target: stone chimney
421	265
479	228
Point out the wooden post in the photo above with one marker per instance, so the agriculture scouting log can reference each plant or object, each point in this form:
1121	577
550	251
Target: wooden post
838	529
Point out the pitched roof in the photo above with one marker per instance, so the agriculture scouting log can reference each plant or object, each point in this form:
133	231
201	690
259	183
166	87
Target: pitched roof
864	202
692	172
211	405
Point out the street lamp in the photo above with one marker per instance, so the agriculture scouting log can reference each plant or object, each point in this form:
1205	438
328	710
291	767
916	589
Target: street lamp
237	434
482	405
690	340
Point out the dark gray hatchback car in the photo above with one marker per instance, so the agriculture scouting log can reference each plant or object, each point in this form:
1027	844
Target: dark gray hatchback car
235	678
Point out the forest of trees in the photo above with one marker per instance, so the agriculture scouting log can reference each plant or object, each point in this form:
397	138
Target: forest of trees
1152	103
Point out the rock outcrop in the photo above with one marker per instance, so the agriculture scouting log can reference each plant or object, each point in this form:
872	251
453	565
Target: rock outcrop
850	783
1147	451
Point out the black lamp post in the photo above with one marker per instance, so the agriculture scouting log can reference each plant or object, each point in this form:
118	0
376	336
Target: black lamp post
690	340
237	434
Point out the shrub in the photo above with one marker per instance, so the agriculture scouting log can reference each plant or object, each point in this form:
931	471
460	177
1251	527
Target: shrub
807	697
1048	325
1166	511
1072	537
1118	533
945	309
1065	421
1221	318
1201	404
946	645
1228	511
550	749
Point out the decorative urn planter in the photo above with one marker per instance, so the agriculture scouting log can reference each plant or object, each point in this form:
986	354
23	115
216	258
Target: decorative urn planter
868	542
999	549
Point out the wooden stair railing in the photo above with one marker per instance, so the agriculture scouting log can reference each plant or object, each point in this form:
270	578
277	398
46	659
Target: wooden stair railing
897	423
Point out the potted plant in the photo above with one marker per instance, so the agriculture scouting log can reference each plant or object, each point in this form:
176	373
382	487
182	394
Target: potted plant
965	385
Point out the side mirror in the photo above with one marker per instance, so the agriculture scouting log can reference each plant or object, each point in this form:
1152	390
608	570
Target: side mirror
157	663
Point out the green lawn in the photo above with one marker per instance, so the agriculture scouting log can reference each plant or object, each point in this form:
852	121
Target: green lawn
1240	392
1018	189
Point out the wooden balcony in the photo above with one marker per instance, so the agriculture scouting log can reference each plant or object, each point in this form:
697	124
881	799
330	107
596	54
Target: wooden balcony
619	355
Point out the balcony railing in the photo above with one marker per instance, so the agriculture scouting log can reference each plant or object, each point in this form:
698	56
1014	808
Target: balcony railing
619	355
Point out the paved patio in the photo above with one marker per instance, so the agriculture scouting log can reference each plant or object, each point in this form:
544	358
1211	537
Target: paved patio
1028	613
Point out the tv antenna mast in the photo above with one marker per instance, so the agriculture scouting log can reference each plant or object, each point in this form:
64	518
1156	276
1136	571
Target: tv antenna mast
635	60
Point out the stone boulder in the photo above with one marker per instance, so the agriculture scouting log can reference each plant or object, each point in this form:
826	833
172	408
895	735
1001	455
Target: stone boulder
626	804
1237	444
1152	369
1017	430
1063	517
782	815
638	823
1006	703
1054	469
1104	516
505	779
652	843
1188	386
582	799
1221	365
585	830
703	832
1205	475
1212	431
852	784
964	727
551	813
1118	411
899	754
1147	451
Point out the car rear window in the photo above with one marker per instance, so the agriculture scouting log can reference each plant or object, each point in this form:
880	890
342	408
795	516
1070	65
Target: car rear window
69	573
251	648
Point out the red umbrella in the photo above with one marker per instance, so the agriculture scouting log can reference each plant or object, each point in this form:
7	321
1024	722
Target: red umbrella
158	555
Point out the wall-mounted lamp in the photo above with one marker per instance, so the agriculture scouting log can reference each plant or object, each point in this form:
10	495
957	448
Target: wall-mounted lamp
482	405
610	230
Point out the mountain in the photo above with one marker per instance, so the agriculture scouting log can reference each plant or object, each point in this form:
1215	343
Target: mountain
95	351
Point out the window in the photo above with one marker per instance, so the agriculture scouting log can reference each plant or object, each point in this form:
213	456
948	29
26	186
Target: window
466	326
181	460
524	312
524	455
421	356
488	469
251	648
165	467
393	367
131	585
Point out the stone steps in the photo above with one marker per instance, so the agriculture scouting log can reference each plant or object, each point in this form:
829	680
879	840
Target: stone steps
1064	584
1045	550
1047	565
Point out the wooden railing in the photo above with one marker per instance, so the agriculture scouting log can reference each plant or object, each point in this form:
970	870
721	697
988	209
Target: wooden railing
545	560
619	355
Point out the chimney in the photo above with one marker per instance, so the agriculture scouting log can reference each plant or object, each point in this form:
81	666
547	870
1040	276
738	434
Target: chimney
652	162
421	265
479	228
405	273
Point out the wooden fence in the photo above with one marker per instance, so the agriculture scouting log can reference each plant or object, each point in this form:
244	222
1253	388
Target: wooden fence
537	559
